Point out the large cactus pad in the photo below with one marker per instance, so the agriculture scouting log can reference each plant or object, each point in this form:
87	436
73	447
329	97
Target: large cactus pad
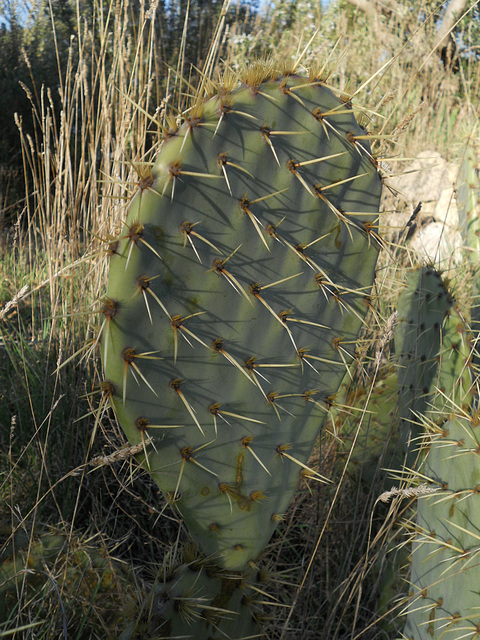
236	295
445	573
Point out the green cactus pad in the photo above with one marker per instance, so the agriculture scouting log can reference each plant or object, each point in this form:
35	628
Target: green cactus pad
445	591
369	441
433	354
235	297
198	601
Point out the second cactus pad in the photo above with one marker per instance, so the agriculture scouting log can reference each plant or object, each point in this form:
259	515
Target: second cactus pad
236	294
434	356
445	595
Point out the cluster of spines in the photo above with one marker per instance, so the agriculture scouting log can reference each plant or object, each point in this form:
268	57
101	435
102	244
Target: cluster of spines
197	599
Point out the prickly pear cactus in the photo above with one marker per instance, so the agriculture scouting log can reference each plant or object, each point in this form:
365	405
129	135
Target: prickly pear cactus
30	570
445	596
236	293
433	354
198	600
17	567
445	584
368	441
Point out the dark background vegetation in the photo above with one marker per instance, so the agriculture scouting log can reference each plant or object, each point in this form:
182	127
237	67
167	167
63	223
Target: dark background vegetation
35	44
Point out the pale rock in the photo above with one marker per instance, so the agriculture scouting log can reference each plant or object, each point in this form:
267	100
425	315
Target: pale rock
424	179
437	244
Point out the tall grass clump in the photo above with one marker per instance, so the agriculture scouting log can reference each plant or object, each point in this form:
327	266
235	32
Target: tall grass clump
88	143
82	545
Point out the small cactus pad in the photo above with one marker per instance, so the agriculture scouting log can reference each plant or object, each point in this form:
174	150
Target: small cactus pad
433	354
200	602
445	576
368	441
236	294
468	201
29	570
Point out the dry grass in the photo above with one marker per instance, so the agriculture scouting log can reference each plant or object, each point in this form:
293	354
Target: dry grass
79	169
